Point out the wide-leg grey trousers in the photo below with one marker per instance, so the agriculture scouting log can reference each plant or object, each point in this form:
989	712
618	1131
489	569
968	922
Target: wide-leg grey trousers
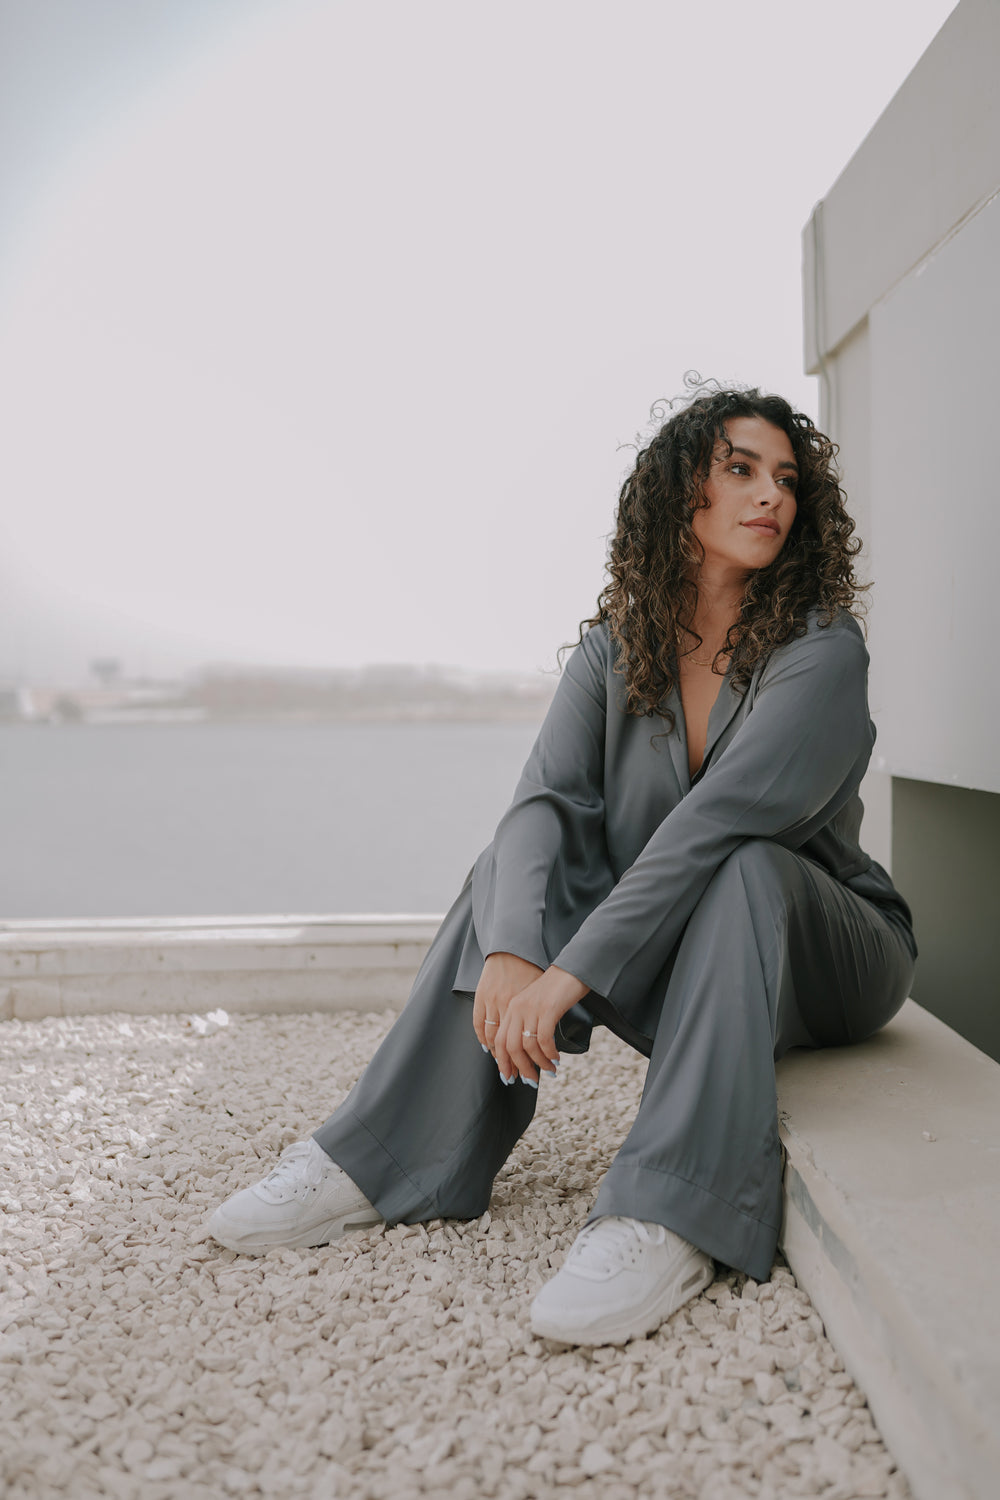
777	954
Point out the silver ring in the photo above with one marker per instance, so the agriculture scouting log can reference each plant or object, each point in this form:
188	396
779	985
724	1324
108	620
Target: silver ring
527	1034
491	1023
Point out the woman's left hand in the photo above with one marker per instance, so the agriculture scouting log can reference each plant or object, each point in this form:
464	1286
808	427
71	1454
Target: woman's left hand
525	1042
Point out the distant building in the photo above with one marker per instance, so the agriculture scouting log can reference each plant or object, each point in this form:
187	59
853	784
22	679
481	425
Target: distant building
15	705
107	670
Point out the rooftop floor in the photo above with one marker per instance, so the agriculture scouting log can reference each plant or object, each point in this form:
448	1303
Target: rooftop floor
138	1359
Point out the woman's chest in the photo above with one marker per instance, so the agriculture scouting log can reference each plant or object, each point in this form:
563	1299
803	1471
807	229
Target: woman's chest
699	688
647	764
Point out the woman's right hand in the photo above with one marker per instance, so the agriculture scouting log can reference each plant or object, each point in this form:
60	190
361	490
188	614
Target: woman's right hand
504	976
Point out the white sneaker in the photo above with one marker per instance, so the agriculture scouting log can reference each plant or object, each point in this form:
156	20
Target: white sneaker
305	1200
622	1277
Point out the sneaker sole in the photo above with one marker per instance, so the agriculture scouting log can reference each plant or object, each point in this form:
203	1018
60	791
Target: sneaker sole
308	1238
618	1328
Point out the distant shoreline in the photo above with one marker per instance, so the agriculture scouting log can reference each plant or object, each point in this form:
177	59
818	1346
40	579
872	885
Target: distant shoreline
368	695
529	714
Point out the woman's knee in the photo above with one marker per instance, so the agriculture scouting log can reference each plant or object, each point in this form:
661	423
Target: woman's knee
757	865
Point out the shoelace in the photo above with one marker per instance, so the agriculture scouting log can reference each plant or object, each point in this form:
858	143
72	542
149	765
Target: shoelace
602	1252
288	1171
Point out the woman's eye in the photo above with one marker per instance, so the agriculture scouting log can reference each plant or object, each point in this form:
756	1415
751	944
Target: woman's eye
739	468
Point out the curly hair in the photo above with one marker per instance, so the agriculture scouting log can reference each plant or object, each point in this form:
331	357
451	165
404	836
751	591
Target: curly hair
652	590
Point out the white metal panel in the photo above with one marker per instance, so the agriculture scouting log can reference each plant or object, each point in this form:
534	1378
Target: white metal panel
931	157
935	454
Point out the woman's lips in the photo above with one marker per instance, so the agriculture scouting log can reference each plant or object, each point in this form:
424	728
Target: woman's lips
770	528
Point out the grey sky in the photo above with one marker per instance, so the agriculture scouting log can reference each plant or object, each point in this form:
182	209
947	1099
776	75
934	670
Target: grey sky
322	324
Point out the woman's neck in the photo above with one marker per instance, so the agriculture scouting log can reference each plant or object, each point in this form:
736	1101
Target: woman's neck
717	607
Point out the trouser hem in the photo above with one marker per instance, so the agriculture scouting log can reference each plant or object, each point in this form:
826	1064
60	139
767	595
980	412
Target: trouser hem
372	1167
698	1215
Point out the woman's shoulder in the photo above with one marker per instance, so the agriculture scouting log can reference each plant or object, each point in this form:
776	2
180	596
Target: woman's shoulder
842	627
589	659
593	649
834	642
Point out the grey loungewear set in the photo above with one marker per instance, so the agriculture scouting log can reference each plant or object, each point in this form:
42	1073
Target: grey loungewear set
717	920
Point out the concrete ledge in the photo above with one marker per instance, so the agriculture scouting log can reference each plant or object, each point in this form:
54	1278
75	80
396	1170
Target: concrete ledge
238	964
892	1222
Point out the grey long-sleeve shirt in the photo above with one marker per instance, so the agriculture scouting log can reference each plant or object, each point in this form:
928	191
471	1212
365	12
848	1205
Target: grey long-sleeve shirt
609	844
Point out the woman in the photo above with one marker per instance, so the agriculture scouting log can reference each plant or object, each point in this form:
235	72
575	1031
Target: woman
680	864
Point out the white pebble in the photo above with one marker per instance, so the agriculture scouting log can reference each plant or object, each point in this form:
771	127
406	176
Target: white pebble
137	1356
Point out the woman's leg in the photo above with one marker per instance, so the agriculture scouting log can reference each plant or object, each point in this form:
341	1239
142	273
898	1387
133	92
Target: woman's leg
421	1136
777	954
429	1124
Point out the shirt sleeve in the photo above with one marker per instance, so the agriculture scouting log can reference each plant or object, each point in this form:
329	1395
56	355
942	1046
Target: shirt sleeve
542	853
796	759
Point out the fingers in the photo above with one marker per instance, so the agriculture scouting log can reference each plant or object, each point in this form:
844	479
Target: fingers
508	1072
524	1042
509	1053
490	1029
479	1017
547	1053
526	1049
486	1015
503	977
484	1021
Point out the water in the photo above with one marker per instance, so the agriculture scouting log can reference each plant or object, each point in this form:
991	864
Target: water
223	819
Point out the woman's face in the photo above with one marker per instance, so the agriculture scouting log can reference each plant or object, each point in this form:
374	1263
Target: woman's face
751	498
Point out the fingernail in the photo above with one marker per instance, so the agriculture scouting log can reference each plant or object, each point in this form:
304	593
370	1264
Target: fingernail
531	1082
507	1081
484	1047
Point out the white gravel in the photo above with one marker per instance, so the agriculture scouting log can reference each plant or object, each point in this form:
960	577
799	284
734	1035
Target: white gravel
138	1359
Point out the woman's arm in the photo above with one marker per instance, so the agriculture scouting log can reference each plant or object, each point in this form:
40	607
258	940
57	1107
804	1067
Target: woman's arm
557	810
794	762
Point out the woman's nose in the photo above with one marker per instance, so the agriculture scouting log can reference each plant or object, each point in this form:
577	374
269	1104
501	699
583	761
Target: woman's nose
770	494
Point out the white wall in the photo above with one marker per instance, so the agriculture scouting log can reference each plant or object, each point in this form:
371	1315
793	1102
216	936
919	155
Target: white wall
935	480
902	305
846	416
930	159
